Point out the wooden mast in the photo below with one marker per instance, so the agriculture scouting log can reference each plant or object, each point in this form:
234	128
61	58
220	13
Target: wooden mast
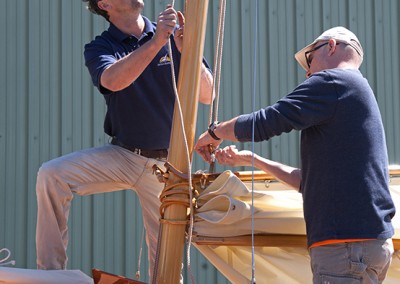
172	232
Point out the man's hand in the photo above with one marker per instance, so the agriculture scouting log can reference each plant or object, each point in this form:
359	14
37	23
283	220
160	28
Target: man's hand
166	23
223	130
205	145
230	156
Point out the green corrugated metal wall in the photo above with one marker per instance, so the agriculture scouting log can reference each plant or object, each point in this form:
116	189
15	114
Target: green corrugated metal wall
48	106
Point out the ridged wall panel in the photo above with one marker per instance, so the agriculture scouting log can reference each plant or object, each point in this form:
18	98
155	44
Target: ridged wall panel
48	106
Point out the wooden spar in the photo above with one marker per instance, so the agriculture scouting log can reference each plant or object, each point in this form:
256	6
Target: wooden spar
265	240
172	232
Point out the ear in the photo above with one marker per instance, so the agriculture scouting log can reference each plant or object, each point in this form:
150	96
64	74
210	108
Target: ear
103	5
332	46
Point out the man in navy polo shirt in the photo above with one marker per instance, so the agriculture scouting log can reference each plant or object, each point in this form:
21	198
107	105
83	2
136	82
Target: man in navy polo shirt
130	65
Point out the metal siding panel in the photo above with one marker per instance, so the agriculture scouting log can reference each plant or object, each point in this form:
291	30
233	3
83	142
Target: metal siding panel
67	59
10	135
3	127
247	43
55	87
394	125
367	37
20	187
291	156
385	100
34	111
391	109
50	107
281	27
274	51
70	112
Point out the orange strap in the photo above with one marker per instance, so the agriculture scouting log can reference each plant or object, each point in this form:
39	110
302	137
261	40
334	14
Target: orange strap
330	242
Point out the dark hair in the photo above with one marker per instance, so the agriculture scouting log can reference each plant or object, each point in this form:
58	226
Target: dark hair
94	8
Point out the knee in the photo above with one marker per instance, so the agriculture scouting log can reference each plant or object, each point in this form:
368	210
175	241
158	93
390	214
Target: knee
47	174
46	170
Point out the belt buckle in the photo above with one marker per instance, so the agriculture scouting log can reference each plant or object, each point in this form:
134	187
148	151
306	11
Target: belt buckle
138	151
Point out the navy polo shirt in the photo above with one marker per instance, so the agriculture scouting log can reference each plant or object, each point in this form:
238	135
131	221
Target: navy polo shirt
141	114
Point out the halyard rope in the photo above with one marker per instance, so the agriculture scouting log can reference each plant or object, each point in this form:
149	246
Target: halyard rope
213	116
253	268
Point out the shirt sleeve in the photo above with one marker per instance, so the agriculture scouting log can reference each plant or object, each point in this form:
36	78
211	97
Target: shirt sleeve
97	58
312	103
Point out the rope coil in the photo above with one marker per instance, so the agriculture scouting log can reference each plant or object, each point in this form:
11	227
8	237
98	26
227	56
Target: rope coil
169	196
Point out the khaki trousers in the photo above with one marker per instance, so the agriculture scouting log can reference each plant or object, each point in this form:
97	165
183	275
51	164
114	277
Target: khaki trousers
95	170
364	262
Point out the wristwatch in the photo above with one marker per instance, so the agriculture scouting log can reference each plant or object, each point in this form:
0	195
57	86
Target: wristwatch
211	129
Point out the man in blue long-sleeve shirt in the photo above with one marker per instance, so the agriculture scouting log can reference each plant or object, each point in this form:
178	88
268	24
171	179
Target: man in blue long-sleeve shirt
344	165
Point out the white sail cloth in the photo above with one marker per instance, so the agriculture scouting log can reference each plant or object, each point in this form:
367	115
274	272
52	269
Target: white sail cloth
228	201
33	276
224	209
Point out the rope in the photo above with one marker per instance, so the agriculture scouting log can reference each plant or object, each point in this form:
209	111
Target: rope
213	116
160	229
140	256
254	87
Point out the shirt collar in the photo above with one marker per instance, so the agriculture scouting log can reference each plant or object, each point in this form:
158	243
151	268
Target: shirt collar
149	29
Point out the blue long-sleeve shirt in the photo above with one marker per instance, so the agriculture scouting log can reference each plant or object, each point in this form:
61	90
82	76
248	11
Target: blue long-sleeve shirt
344	161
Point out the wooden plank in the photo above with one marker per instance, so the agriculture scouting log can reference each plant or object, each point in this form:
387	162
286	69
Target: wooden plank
275	240
272	240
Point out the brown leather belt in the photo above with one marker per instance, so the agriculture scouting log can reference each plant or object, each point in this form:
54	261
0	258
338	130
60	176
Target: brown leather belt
152	154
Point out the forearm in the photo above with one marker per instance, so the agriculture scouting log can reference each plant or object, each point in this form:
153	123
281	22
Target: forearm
230	156
284	173
126	70
226	130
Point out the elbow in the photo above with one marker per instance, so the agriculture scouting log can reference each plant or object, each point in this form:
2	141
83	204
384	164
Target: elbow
206	99
297	182
110	84
207	93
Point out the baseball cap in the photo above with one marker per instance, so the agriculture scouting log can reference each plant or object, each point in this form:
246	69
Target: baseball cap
341	34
